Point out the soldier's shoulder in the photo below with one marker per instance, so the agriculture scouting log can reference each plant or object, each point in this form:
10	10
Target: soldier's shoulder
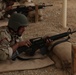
4	33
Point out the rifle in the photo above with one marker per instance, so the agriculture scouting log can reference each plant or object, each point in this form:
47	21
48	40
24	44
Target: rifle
39	43
24	10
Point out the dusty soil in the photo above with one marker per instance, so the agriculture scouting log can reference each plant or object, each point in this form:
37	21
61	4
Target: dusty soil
52	23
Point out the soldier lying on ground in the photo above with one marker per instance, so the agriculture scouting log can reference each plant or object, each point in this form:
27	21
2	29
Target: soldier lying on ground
10	41
13	7
9	36
32	14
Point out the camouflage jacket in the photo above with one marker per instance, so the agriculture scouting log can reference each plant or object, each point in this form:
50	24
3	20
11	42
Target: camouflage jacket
7	40
2	5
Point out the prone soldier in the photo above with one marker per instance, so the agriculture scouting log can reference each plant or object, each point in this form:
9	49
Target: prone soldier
28	10
32	14
10	41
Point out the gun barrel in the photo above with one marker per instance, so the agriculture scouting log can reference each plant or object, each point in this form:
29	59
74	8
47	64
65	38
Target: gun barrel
48	5
58	36
73	32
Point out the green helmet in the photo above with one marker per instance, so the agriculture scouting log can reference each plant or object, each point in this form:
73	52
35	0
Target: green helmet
17	20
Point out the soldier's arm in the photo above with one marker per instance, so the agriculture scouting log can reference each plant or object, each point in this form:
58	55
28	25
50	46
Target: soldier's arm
20	44
5	44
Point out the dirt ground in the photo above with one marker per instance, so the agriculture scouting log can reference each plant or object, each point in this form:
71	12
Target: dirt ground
52	23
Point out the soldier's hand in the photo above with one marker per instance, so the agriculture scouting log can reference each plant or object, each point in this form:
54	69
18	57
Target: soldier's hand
20	44
25	43
48	41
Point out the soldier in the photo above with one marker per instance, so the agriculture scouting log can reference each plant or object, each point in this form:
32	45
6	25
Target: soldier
32	14
10	41
9	35
5	5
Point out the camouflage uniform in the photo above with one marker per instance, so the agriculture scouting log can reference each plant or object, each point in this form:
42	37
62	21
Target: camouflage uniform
6	41
9	39
2	9
62	53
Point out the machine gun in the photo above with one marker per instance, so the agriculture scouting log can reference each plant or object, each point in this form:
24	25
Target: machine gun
40	43
24	10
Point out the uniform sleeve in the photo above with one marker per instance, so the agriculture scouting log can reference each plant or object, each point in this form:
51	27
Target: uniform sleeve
5	43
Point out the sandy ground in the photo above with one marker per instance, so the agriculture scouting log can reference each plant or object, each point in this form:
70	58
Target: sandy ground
52	23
